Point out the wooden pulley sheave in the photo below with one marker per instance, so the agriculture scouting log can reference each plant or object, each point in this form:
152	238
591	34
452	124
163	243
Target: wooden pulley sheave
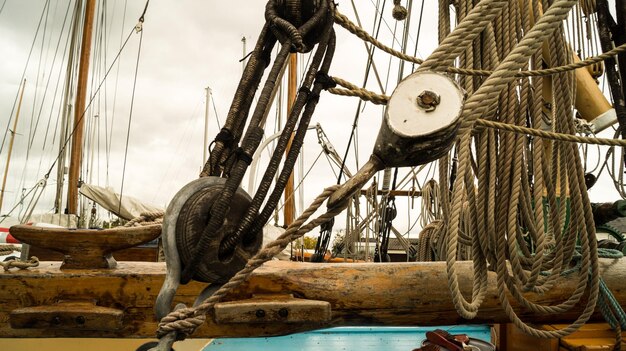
420	126
212	227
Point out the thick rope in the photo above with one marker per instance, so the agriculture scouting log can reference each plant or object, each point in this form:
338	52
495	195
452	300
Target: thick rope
483	102
186	320
8	249
146	218
17	263
345	22
381	99
550	135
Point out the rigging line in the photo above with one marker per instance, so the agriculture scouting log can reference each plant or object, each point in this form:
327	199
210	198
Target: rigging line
301	180
40	75
65	51
43	99
31	133
382	19
419	30
2	7
217	118
23	75
69	137
370	49
5	216
358	110
109	135
130	117
405	38
395	32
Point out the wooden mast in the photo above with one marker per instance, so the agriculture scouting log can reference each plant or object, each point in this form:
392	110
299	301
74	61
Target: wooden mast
6	169
67	111
289	210
81	93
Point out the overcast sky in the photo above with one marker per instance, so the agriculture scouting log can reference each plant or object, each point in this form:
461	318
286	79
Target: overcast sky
187	46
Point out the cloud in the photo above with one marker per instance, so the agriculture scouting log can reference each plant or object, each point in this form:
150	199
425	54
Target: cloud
187	46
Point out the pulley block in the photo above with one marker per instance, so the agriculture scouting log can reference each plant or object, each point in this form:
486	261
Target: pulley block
421	120
183	224
420	126
194	215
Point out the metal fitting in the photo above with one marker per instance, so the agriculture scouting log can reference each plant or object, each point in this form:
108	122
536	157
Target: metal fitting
428	100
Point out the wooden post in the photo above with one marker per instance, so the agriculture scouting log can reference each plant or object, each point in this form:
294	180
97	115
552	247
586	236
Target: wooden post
289	210
79	111
6	169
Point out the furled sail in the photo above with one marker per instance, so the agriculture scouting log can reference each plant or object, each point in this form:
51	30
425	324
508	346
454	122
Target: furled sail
126	207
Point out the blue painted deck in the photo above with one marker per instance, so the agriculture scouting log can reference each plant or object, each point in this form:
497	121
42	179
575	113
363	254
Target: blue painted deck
347	339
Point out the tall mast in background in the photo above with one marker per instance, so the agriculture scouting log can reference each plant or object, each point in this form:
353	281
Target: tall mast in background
67	110
6	169
290	205
81	94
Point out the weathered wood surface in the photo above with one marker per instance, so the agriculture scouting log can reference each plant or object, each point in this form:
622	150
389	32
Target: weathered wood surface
141	254
68	315
86	248
399	294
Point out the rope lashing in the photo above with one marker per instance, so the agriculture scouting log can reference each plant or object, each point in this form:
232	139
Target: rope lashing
326	81
399	12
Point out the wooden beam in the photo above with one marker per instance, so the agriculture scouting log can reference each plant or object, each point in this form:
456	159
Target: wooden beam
366	294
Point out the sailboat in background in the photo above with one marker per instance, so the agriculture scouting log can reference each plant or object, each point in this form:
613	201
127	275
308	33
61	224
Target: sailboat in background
72	139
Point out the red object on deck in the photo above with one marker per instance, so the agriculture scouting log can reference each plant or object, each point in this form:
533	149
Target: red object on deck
9	239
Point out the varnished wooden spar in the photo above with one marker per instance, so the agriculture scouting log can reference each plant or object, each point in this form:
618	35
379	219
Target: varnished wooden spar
46	301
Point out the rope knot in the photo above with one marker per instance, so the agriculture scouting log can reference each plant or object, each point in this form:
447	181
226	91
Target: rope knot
399	12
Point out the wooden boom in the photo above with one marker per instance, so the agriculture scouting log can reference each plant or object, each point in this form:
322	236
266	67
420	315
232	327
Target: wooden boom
293	296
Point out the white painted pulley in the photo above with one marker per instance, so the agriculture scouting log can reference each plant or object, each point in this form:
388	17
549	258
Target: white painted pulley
421	120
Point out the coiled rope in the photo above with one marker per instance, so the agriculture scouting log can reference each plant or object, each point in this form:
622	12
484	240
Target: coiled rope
489	211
